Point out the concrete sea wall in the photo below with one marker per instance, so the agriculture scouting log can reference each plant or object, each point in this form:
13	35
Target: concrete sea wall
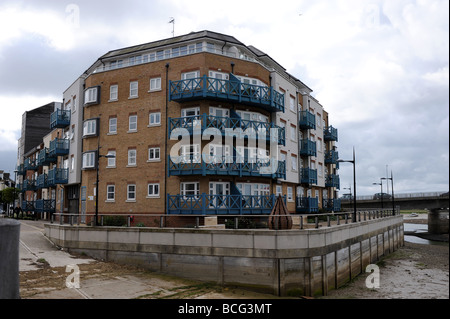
285	262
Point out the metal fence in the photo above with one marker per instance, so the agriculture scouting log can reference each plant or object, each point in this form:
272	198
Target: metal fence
300	221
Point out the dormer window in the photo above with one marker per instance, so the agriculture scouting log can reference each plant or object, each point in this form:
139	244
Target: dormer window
92	96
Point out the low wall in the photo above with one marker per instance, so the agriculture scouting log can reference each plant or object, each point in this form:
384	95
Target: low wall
285	262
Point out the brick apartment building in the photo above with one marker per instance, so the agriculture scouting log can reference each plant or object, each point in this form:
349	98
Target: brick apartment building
127	110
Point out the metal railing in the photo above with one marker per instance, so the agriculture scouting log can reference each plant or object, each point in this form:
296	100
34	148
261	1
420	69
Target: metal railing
302	221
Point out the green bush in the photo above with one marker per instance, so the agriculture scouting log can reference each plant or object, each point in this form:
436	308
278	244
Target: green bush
114	221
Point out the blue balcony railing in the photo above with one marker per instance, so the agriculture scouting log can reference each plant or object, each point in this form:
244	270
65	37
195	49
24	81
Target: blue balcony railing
332	180
229	126
233	91
29	185
333	204
308	148
30	164
59	147
45	205
28	206
331	157
308	176
330	134
41	181
21	170
204	204
44	158
225	165
57	176
60	119
307	120
307	205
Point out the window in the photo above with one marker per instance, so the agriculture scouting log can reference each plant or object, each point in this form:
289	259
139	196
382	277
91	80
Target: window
91	95
292	103
112	160
113	92
153	153
132	157
72	163
320	170
190	75
290	196
154	119
74	109
89	160
132	123
190	189
155	84
90	128
279	190
110	193
153	190
131	192
319	144
294	162
113	125
133	89
293	133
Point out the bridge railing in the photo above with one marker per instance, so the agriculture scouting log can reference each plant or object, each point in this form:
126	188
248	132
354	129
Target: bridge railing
405	195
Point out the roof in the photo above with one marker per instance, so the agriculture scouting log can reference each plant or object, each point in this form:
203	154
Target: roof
179	39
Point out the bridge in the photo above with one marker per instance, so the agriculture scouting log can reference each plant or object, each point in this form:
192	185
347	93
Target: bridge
424	200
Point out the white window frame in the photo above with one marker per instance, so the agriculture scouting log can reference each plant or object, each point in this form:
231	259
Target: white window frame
155	189
134	91
89	160
155	151
132	158
293	133
113	92
109	192
111	160
155	117
195	192
91	95
90	128
129	192
112	125
155	84
290	194
190	75
132	123
292	103
294	163
278	190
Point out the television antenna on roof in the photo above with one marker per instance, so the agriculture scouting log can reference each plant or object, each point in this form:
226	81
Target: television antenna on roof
172	20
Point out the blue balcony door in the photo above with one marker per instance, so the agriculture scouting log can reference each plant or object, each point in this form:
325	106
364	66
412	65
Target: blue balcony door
218	192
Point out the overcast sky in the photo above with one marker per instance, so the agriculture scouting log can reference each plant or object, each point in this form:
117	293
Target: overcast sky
380	68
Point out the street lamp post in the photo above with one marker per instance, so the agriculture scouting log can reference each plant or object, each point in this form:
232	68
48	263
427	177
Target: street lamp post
354	183
392	189
96	185
381	184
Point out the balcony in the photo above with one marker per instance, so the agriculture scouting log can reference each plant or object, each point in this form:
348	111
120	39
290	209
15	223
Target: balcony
332	180
333	204
60	119
229	126
307	120
21	170
29	185
28	206
45	206
232	91
225	166
307	205
308	148
41	181
30	164
308	176
331	157
219	204
59	147
44	158
330	134
57	176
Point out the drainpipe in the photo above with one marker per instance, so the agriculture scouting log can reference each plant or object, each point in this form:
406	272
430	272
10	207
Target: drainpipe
165	140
